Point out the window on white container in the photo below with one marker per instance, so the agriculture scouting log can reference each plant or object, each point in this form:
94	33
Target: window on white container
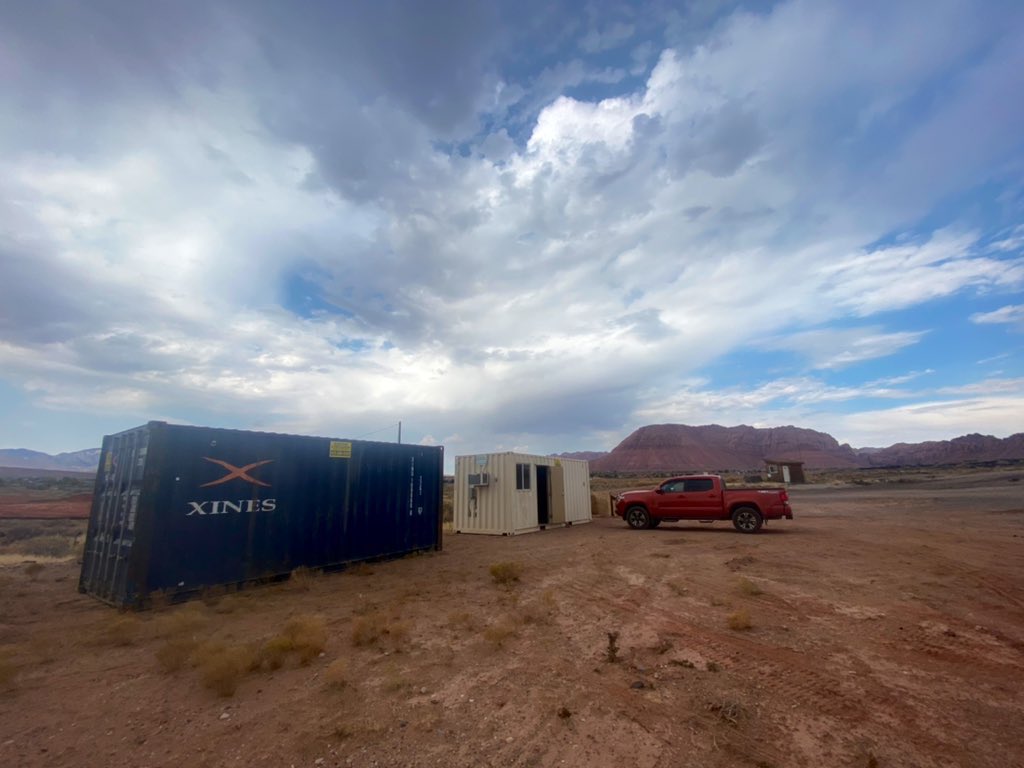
522	477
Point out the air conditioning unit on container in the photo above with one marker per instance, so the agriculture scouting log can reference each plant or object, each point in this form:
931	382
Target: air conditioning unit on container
479	480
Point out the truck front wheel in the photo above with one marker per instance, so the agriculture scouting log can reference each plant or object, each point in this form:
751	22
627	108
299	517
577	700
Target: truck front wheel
747	520
638	518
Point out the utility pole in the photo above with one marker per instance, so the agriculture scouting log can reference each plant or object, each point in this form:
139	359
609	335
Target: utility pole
399	433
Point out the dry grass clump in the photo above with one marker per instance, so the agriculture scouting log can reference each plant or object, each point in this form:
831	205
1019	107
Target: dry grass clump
49	545
32	570
122	630
462	620
308	634
186	620
729	711
395	682
500	632
379	628
747	587
506	573
274	652
539	611
304	635
175	653
222	667
677	586
336	674
212	595
8	669
303	578
739	620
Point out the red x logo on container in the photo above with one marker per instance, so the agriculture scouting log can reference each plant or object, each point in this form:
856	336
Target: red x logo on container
242	473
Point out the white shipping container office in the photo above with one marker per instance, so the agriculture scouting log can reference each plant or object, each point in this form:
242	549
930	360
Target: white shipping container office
510	493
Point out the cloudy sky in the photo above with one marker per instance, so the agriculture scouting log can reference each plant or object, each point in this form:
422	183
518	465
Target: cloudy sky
511	225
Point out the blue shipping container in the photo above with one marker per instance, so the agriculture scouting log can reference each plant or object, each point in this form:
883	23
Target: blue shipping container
177	508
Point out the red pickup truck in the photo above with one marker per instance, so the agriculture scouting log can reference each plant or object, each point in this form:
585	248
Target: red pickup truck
704	498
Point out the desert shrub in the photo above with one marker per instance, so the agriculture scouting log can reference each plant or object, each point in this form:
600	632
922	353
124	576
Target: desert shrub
308	635
739	620
747	587
395	682
336	674
32	570
380	629
500	632
122	630
211	596
222	668
305	636
536	612
186	620
50	545
175	653
677	586
303	578
20	530
274	652
506	573
729	711
228	604
462	620
611	653
159	600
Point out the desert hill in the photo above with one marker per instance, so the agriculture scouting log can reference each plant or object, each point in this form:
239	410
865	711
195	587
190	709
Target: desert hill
679	447
75	461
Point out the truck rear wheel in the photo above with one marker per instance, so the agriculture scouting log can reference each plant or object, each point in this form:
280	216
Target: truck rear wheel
747	520
638	518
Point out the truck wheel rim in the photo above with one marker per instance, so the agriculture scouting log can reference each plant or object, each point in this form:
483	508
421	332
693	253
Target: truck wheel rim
635	517
746	520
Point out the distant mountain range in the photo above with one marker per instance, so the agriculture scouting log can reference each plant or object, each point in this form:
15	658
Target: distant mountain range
77	461
679	447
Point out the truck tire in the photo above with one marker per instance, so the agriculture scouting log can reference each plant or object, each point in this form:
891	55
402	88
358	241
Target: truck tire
747	520
638	518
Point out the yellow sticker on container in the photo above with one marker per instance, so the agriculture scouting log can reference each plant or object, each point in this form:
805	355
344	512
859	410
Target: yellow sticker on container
108	463
341	449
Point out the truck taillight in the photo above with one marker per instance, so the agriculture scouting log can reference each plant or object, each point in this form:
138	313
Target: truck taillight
784	495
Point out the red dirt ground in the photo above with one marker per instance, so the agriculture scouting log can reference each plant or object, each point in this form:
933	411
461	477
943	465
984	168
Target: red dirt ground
29	506
886	629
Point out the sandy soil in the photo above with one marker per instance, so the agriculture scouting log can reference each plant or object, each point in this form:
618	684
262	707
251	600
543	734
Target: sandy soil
886	629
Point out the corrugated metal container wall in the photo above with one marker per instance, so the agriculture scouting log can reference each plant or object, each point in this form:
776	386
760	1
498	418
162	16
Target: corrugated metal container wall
577	491
177	508
483	508
500	506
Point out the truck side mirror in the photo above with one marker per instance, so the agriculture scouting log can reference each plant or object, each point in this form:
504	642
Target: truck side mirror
659	490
